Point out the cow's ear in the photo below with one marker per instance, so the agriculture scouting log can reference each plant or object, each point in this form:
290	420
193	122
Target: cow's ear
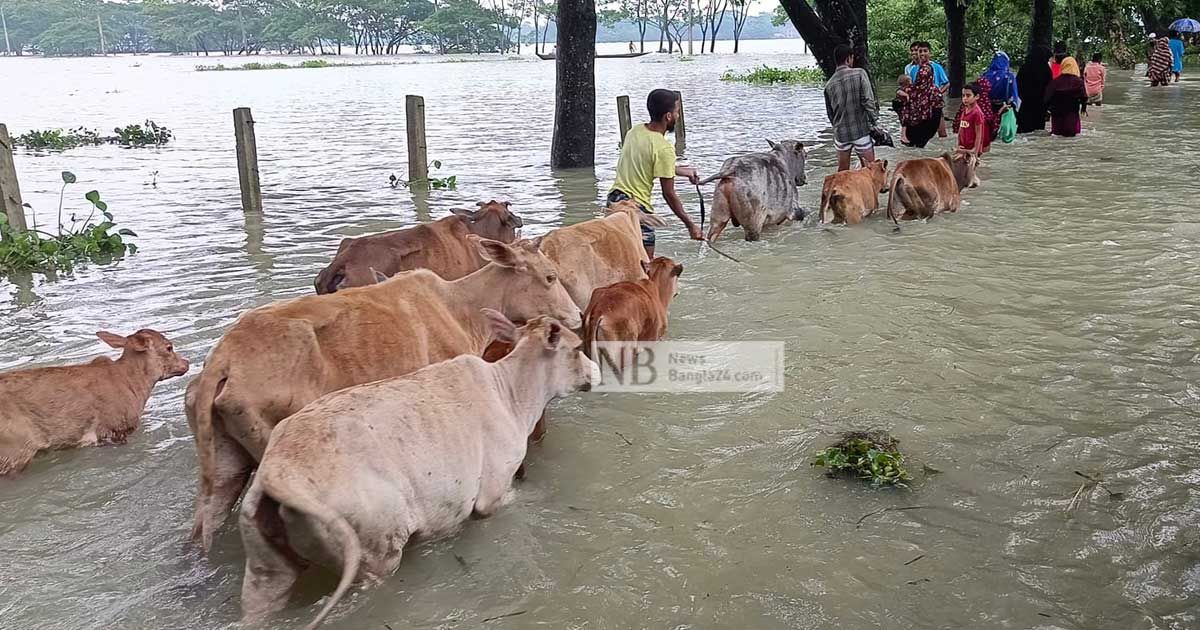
885	166
677	270
497	252
948	156
553	335
800	148
502	328
482	203
377	276
112	339
513	219
772	143
464	213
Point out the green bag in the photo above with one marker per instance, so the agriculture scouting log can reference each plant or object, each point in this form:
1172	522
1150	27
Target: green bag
1008	126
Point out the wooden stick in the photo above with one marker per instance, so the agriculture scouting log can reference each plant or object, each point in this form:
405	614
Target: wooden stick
418	161
624	120
247	159
680	129
10	190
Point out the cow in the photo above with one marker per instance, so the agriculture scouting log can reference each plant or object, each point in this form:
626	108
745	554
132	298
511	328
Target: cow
495	351
852	196
758	189
599	252
279	357
355	476
99	402
441	246
925	187
633	311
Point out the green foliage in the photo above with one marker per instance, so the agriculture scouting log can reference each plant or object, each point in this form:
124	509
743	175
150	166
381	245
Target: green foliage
459	26
766	75
57	139
82	241
436	183
871	455
144	135
254	65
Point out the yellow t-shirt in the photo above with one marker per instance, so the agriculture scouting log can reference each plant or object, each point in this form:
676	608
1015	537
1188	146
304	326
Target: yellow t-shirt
645	156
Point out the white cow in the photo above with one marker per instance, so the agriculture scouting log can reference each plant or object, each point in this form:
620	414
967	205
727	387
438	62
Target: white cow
357	474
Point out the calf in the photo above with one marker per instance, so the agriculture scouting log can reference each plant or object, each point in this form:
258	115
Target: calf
358	474
65	407
851	196
758	189
633	311
279	357
441	246
925	187
599	252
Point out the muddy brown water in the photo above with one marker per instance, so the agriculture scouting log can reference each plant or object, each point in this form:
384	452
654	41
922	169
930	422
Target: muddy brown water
1049	327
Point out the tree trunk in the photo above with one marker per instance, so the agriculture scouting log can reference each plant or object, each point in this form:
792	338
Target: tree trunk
956	43
841	21
574	142
1041	28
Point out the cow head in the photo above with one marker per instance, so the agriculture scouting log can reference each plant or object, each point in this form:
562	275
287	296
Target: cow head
545	341
962	165
529	284
493	220
792	154
664	273
879	177
151	348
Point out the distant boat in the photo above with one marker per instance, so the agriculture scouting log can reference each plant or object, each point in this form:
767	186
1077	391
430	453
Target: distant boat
552	57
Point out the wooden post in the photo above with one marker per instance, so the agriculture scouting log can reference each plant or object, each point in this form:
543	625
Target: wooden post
680	129
247	159
418	161
10	191
623	118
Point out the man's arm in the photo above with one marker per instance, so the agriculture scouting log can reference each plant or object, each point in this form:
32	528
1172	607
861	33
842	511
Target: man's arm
979	137
692	175
828	106
672	198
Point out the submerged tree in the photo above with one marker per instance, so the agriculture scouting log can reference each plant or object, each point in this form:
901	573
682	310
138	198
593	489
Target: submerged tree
828	24
574	143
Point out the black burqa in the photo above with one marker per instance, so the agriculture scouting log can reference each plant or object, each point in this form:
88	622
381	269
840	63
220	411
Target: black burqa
1032	80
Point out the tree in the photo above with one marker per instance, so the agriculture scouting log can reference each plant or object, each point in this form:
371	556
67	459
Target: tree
830	23
956	42
466	26
1041	26
741	11
574	143
714	16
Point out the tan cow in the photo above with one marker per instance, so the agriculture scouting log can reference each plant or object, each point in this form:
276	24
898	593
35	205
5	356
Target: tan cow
355	476
851	196
633	311
441	246
599	252
925	187
279	357
56	408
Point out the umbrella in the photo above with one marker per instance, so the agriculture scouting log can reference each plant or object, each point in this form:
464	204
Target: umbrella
1185	25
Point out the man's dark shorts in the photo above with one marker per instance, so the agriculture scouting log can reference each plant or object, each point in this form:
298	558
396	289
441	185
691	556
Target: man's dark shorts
647	231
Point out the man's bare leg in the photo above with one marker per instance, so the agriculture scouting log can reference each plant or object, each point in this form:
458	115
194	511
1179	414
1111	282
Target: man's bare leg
844	160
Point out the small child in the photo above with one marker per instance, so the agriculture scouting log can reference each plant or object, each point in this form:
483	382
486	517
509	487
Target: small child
904	83
1094	75
973	134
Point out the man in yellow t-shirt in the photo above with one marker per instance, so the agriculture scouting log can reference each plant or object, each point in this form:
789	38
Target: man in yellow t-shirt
645	156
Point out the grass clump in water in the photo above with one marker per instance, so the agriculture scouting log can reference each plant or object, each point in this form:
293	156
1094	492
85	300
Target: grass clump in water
255	65
766	75
868	455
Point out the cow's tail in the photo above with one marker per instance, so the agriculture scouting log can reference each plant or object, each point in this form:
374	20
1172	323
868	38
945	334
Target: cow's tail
712	178
896	186
591	335
833	207
337	525
200	412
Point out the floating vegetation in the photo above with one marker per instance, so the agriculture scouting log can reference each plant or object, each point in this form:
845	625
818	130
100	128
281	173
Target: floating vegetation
868	455
146	134
279	65
82	241
766	75
436	183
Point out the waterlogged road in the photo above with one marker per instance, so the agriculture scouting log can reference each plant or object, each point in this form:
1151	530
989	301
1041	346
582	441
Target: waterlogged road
1050	327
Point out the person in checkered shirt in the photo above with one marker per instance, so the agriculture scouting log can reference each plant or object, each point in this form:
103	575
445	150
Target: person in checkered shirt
850	104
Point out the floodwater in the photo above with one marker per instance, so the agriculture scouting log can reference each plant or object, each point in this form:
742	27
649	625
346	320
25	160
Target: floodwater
1049	327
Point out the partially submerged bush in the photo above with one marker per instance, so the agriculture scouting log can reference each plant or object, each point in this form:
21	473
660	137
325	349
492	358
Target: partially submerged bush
869	455
766	75
37	250
146	134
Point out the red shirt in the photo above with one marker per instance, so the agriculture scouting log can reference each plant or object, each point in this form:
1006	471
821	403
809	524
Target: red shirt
1055	69
971	120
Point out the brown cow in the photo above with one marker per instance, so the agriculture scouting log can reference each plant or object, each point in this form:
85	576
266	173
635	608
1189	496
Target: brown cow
851	196
633	311
56	408
441	246
279	357
599	252
925	187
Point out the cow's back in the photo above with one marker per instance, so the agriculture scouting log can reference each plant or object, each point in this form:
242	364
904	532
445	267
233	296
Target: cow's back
441	247
595	254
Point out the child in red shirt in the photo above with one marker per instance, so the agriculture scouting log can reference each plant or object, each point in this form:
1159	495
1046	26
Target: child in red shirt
973	134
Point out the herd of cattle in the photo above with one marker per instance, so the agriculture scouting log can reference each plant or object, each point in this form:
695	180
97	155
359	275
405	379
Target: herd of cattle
400	400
